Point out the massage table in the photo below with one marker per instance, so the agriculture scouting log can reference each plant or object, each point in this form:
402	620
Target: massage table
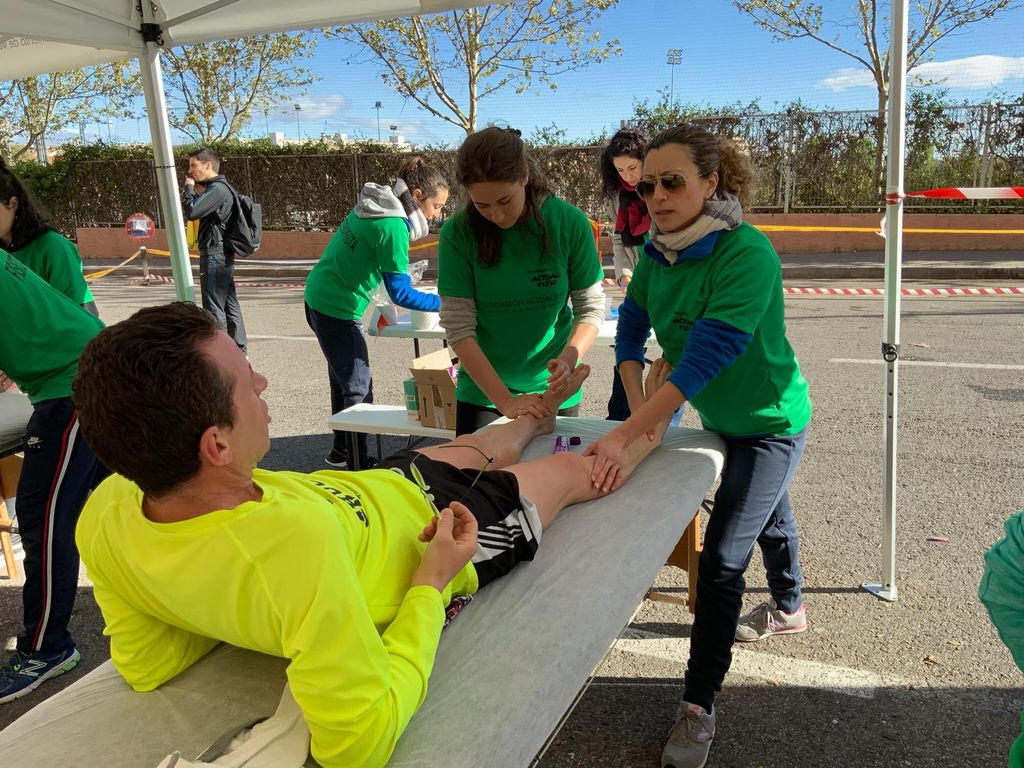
507	670
15	411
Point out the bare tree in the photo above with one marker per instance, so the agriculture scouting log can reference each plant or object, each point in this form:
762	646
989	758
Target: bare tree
215	87
862	36
34	106
449	62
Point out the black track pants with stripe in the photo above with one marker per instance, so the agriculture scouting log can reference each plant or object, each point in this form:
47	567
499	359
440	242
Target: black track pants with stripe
58	473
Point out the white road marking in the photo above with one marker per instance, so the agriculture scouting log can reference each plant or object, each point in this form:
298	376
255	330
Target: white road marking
780	670
929	364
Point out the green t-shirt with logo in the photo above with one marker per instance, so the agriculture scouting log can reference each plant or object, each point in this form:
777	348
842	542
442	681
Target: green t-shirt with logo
739	283
523	316
56	259
42	332
343	282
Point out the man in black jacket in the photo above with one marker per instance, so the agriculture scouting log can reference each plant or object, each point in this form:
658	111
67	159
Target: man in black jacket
213	208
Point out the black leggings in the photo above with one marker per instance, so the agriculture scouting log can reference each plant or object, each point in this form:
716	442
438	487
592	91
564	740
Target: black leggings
469	417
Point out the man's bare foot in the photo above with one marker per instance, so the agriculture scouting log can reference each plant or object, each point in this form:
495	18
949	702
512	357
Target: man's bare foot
554	400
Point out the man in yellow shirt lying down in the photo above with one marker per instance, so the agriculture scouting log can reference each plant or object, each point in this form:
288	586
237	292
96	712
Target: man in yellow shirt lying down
346	574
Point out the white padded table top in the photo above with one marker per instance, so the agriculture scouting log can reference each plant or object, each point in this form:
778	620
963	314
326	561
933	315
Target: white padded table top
15	411
507	669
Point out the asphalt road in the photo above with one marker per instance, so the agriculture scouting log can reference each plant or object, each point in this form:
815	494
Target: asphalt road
920	682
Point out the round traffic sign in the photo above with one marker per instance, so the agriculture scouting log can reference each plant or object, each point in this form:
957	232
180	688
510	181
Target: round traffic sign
139	226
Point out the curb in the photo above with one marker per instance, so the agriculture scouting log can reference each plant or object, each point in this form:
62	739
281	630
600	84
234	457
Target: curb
959	272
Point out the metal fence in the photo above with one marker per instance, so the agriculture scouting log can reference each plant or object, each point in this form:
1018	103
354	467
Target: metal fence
805	162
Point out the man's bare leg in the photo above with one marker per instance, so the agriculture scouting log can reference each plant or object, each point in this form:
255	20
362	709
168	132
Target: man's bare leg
562	479
504	443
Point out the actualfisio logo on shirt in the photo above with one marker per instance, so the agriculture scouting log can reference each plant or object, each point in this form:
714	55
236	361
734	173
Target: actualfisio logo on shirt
543	278
682	322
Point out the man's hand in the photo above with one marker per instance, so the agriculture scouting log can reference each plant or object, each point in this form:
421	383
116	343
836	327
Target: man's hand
5	382
524	405
189	181
452	538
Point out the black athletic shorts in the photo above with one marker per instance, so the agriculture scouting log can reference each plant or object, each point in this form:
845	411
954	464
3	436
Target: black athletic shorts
509	524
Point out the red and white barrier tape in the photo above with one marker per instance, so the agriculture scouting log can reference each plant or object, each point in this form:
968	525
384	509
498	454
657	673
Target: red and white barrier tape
1008	291
961	193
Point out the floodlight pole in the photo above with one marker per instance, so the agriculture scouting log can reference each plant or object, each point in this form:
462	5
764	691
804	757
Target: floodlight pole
675	56
377	106
163	159
886	588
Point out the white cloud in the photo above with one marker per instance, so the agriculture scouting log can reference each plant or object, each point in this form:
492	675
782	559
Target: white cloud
846	78
317	108
972	72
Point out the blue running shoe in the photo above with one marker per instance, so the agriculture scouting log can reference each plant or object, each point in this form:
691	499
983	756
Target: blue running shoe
27	671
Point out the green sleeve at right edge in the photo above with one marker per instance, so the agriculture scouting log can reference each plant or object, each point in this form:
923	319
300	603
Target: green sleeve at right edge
1002	587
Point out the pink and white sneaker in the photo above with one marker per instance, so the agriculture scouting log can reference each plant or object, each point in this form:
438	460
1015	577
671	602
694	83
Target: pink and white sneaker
767	620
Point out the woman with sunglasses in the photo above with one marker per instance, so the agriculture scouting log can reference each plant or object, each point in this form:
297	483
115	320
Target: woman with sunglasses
509	266
621	167
711	287
370	247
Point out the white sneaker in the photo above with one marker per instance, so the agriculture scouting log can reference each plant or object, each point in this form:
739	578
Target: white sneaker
689	742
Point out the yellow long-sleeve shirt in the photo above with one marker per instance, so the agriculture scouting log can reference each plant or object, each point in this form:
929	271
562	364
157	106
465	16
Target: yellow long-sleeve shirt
317	572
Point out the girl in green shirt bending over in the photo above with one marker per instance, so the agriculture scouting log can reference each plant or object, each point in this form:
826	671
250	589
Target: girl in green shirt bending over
370	247
520	284
26	233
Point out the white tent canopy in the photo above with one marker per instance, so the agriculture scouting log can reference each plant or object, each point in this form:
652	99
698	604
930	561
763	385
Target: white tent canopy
54	35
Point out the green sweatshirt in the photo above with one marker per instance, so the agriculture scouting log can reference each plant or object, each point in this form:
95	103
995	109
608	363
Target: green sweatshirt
373	240
739	282
522	312
331	594
42	332
56	259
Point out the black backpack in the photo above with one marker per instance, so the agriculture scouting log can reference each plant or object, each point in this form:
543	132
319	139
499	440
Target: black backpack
244	229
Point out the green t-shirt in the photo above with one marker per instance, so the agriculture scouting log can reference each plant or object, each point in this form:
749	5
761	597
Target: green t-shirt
739	283
56	259
42	332
343	282
523	317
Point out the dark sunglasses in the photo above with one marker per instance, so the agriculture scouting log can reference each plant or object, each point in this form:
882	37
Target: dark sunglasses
671	183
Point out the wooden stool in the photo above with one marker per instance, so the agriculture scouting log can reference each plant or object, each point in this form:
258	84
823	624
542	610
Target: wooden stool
10	470
686	556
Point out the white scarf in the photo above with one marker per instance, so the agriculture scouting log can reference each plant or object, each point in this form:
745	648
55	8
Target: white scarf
417	221
721	212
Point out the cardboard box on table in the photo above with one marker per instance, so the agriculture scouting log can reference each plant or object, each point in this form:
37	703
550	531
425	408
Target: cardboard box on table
435	389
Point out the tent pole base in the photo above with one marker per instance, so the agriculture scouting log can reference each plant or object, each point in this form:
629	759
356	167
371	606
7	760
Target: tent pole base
890	595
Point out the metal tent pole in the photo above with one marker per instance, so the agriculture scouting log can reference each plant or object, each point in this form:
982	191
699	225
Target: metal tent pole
886	588
163	162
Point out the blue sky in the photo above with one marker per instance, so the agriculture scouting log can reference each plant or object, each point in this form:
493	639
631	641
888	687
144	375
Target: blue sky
726	59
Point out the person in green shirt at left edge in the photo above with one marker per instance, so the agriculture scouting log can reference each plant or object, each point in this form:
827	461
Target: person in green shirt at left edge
42	334
26	234
1002	592
509	266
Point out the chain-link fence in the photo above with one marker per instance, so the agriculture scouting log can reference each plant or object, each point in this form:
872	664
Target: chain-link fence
805	161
